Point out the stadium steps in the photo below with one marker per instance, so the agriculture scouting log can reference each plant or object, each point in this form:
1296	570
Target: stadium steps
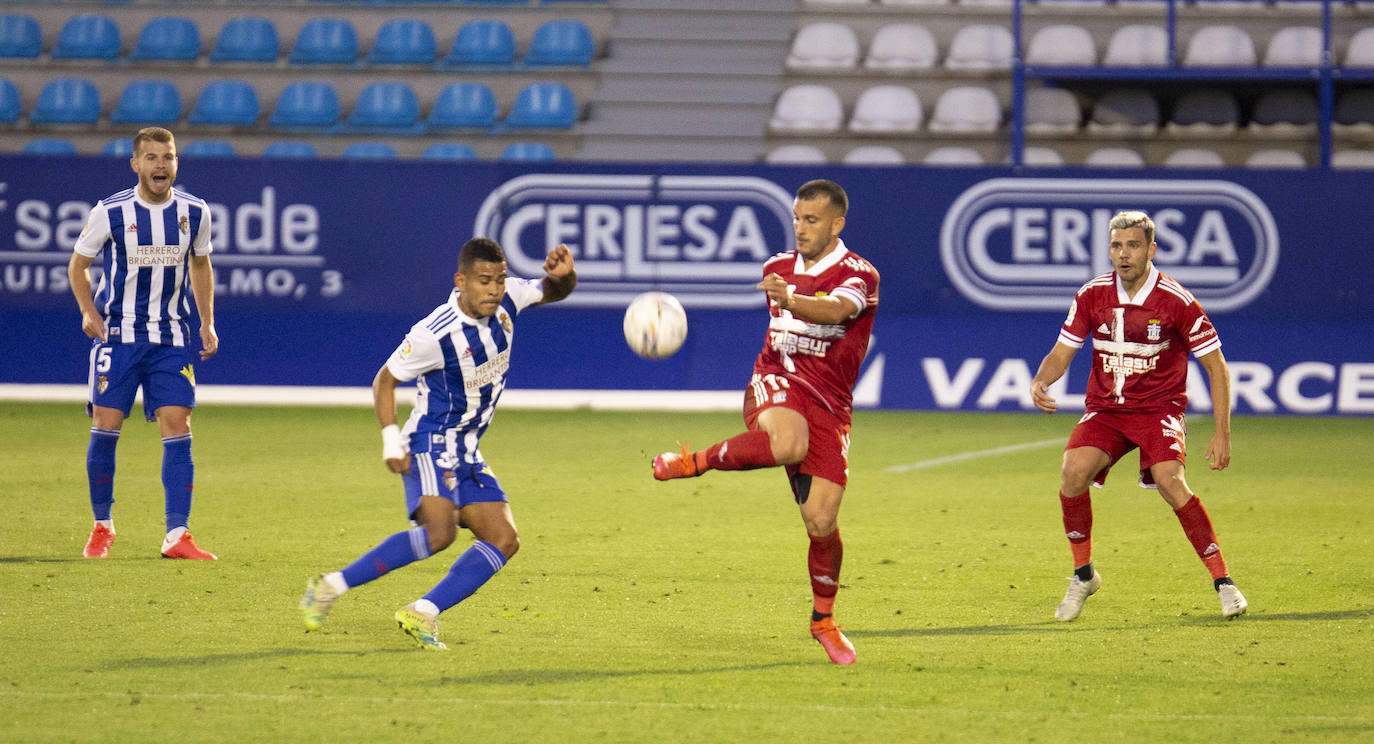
688	80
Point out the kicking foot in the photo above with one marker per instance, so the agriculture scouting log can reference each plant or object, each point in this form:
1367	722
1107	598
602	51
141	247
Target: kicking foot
1078	593
836	646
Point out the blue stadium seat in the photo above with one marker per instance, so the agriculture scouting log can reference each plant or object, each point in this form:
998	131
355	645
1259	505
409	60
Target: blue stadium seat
543	105
369	151
119	147
9	101
147	102
87	36
67	101
463	106
246	39
209	149
293	149
483	42
449	151
325	41
403	41
174	38
49	146
386	107
528	151
563	43
306	104
20	36
226	102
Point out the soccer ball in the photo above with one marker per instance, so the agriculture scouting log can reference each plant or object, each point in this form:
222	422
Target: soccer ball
655	325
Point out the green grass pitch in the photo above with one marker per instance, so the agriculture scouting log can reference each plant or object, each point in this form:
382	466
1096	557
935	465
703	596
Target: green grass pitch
645	611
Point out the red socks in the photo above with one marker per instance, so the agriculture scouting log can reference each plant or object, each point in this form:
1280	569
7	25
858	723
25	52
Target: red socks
748	451
1078	526
1198	527
823	561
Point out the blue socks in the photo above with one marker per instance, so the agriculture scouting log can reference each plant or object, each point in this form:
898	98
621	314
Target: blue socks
178	478
100	470
472	569
401	549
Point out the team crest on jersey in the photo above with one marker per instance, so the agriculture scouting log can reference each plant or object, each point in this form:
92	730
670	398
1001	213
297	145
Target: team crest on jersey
102	384
450	480
184	225
189	373
1152	329
504	317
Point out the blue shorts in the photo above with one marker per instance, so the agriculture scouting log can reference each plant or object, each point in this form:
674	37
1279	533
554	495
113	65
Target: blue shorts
118	370
466	484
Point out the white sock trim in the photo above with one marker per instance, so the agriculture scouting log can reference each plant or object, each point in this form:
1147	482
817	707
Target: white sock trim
426	607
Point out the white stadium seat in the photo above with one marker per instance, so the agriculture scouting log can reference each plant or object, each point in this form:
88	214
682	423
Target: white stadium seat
824	45
1353	159
953	155
1275	159
902	46
1062	45
1114	157
886	108
1360	53
1052	111
802	154
1194	157
874	155
1294	46
807	108
1220	46
981	46
1138	45
966	108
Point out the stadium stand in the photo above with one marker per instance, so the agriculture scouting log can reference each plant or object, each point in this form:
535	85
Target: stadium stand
1294	46
1041	157
1194	157
147	102
981	46
246	39
528	151
70	100
449	151
1125	112
902	47
385	108
824	45
20	36
1220	46
543	105
370	151
1114	157
308	105
10	102
1062	44
1138	45
226	103
50	146
325	41
209	148
886	108
1275	159
118	147
290	149
954	155
561	42
1052	111
807	108
168	39
1204	112
966	108
1285	112
483	42
874	155
795	155
88	36
403	41
467	105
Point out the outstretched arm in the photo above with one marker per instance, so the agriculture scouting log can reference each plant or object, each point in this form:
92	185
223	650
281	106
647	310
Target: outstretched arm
827	310
1052	367
560	277
1219	379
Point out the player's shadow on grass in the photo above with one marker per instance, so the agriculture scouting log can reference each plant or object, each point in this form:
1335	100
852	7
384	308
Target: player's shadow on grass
1050	626
1262	617
36	559
522	677
207	660
962	630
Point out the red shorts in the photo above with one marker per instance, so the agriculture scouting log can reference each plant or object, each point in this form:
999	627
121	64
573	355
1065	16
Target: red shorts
1160	437
827	451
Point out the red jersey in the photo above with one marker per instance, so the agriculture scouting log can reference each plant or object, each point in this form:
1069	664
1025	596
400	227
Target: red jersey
1140	344
824	359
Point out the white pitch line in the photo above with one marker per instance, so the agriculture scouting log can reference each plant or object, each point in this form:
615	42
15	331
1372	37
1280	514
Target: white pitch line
973	455
293	699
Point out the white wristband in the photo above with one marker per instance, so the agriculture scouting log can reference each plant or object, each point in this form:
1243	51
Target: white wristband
393	447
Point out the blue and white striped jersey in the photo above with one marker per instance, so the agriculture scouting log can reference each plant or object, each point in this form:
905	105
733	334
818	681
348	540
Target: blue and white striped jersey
147	248
459	365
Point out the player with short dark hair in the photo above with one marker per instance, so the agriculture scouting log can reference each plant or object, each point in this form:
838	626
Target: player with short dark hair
459	356
797	408
154	243
1142	325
